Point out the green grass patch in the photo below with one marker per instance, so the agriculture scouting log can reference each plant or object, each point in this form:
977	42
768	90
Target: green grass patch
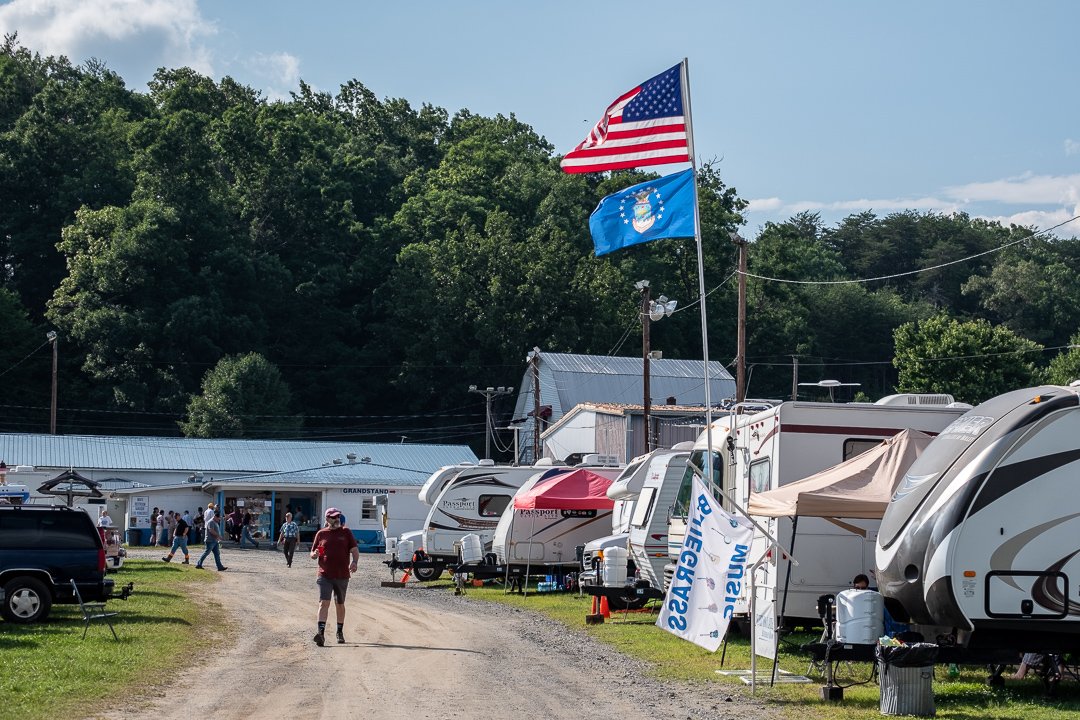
49	671
964	697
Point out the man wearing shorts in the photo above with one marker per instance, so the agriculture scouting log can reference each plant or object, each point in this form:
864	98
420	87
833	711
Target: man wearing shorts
333	546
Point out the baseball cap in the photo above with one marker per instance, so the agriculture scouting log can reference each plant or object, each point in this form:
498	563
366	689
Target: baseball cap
332	512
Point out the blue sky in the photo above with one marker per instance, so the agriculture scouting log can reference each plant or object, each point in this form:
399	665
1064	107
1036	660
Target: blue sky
836	107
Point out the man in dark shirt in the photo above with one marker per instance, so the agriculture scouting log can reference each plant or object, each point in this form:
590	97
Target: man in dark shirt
333	545
179	540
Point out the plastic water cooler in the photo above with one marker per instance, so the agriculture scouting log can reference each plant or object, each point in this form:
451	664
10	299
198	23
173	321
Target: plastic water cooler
614	568
472	551
860	616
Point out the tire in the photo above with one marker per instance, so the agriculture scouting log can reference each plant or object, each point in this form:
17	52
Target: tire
622	603
429	574
26	600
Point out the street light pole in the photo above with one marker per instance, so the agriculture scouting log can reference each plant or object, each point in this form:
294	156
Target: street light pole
51	337
650	312
488	394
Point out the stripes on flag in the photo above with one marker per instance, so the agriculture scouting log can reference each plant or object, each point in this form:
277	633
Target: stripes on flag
644	126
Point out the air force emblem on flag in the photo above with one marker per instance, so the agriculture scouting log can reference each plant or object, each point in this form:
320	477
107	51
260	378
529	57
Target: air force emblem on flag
661	208
644	212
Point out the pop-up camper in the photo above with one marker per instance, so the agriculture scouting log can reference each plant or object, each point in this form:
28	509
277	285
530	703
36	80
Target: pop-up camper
983	535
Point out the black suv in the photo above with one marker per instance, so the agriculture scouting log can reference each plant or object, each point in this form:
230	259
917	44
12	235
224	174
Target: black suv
42	549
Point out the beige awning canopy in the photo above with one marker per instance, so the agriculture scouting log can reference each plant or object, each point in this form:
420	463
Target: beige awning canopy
858	488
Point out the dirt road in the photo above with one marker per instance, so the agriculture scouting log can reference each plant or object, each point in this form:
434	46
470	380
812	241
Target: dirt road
410	653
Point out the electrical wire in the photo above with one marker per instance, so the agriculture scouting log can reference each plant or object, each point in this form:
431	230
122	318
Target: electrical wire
913	272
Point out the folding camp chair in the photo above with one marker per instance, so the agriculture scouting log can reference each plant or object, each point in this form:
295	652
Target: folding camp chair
93	611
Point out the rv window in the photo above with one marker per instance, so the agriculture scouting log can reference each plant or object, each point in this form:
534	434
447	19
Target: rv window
643	507
492	505
694	467
367	508
760	474
858	447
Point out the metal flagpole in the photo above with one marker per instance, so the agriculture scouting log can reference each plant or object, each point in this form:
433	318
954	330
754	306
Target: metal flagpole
700	272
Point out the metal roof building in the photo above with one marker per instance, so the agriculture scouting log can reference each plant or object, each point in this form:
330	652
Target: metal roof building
161	460
567	380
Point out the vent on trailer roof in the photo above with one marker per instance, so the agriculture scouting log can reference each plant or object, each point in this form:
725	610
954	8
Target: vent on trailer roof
908	399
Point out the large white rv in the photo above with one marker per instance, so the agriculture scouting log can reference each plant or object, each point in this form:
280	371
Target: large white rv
648	542
983	534
767	449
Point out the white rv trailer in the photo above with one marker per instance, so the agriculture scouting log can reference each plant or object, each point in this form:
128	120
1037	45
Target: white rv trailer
983	534
623	492
549	537
636	491
472	502
762	451
649	523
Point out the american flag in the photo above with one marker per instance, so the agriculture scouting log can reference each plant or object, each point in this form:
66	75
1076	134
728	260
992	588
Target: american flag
644	126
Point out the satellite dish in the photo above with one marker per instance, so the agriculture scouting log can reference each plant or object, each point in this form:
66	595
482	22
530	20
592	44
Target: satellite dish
831	385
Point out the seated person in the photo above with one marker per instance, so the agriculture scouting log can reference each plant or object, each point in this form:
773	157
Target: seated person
1031	661
861	582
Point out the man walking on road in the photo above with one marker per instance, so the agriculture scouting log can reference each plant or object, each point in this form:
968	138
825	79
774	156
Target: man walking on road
213	540
333	545
180	538
289	536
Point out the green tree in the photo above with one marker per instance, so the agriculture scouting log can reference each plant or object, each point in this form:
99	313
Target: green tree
971	360
242	396
1064	368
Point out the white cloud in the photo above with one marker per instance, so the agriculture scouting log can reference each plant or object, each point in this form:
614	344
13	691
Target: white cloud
1072	147
1027	189
764	204
280	71
171	31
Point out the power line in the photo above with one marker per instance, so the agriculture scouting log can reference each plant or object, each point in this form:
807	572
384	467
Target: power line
911	272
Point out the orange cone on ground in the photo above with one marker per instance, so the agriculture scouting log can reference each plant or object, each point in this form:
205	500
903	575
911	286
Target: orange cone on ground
604	607
595	605
405	577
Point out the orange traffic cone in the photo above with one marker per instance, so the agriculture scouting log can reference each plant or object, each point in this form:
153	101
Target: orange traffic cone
405	577
604	607
595	605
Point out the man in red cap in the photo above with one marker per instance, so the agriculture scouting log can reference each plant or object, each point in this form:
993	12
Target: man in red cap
333	545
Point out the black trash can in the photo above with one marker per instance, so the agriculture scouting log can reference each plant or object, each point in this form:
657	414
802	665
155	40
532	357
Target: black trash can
906	674
134	537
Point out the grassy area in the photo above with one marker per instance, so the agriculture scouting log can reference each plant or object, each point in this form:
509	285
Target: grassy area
49	671
959	698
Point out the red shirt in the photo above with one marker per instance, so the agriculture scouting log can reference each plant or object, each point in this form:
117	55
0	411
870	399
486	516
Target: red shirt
337	544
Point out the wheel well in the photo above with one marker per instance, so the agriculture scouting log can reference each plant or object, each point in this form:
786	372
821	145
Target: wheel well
40	575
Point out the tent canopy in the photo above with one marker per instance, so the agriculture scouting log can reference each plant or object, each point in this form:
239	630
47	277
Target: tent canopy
858	488
573	490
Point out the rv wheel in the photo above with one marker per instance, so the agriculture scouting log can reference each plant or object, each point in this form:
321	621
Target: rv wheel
429	574
622	603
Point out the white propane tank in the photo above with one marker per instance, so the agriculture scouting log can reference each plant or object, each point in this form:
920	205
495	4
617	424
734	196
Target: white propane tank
614	569
405	551
860	616
471	549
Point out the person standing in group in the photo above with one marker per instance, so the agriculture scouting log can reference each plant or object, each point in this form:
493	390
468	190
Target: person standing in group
180	534
170	521
198	526
235	519
162	528
153	528
288	537
104	524
213	539
333	545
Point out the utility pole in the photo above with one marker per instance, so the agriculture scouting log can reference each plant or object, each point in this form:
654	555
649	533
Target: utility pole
52	338
740	358
489	428
646	404
534	358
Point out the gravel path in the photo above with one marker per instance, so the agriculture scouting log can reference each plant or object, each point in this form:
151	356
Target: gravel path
414	652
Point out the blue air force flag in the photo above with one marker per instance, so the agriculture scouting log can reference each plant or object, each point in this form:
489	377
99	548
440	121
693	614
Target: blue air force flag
711	574
653	210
